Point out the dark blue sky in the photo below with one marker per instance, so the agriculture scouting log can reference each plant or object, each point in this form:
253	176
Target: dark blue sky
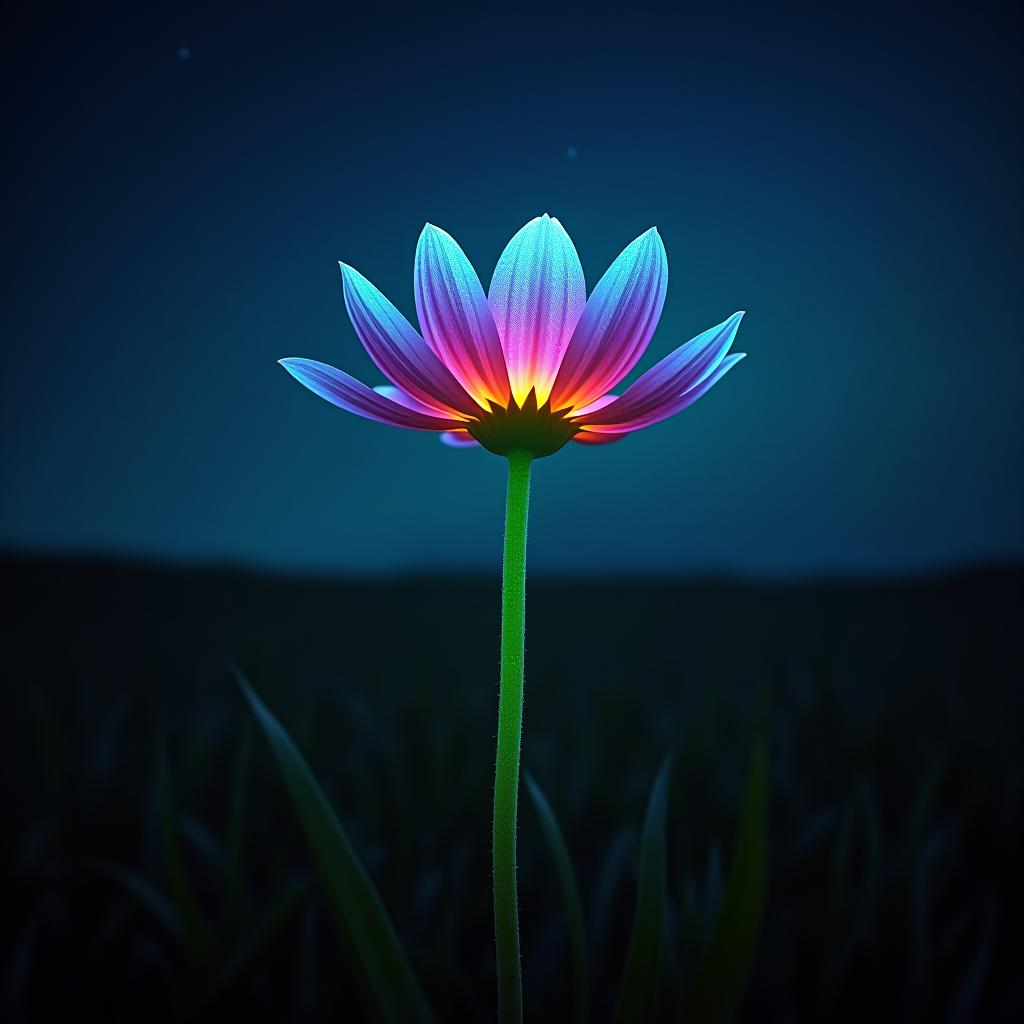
851	179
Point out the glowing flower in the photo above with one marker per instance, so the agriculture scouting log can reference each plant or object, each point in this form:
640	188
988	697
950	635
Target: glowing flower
521	371
529	366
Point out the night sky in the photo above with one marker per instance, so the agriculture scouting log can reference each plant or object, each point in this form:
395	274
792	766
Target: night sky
182	186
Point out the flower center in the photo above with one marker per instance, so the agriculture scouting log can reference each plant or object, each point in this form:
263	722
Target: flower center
523	428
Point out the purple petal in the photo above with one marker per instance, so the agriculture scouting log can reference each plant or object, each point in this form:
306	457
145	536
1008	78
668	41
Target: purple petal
459	439
537	294
455	318
670	406
674	376
348	393
616	325
598	403
398	350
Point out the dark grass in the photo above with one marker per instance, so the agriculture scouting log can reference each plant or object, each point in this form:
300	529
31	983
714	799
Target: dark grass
892	713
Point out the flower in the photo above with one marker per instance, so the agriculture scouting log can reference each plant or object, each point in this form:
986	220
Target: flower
531	365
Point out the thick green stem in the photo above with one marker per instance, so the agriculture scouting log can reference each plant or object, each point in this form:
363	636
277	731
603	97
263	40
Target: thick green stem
510	728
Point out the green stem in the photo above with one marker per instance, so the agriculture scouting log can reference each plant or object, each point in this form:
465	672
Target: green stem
510	729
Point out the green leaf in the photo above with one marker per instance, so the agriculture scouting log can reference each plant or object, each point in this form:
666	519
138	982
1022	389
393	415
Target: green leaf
638	993
720	980
199	940
358	912
571	895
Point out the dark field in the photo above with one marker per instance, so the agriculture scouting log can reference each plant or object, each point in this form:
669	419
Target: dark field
892	714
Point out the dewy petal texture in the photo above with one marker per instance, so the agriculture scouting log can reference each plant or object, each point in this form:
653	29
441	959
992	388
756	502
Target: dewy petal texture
352	395
537	294
398	350
679	372
616	325
455	318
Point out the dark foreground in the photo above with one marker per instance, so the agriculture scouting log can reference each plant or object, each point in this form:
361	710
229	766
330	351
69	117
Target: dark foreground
892	713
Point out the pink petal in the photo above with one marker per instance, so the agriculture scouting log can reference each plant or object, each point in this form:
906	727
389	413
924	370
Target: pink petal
398	350
455	318
616	325
352	395
674	376
537	294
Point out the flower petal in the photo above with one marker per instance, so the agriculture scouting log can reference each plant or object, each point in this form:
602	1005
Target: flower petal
670	406
675	375
352	395
616	325
459	439
455	318
537	294
405	400
598	403
398	350
599	437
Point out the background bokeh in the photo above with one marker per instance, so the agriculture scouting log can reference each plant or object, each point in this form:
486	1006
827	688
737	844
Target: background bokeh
184	182
824	553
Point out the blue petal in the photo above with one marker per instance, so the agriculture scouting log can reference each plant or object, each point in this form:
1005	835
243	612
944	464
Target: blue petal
616	325
397	349
679	372
455	318
537	294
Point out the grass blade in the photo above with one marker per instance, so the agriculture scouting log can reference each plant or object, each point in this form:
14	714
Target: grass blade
872	860
721	977
355	904
964	1007
234	884
261	937
918	820
198	936
638	994
837	900
571	895
149	897
613	867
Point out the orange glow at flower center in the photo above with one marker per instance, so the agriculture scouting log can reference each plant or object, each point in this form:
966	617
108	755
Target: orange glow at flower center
524	428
